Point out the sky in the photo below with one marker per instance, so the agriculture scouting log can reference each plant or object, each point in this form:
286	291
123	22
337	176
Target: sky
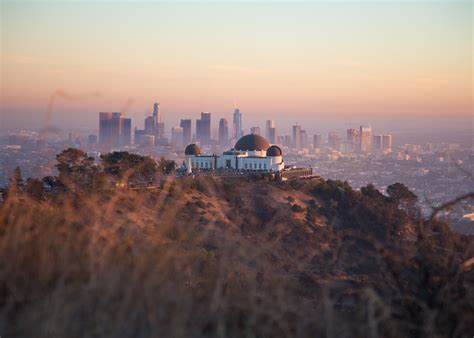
317	62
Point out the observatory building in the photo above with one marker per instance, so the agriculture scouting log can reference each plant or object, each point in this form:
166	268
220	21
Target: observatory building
251	152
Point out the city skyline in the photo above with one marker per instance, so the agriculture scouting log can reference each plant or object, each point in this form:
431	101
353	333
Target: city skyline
417	61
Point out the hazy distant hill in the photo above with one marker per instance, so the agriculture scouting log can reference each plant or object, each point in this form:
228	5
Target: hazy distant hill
220	257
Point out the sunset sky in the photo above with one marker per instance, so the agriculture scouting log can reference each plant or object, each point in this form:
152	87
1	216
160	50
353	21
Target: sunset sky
279	59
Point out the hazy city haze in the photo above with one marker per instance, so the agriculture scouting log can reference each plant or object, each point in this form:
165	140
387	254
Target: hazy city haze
322	62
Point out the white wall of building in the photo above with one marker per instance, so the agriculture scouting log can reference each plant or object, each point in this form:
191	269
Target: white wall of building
237	161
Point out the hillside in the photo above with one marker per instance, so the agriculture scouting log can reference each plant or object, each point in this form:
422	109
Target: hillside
240	257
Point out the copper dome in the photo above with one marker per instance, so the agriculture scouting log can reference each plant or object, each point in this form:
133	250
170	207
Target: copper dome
252	142
274	151
192	149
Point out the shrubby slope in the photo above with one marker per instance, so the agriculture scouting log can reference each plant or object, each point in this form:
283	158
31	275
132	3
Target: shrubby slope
220	257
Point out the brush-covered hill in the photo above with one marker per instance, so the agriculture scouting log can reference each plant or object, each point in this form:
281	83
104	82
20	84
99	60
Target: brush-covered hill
231	257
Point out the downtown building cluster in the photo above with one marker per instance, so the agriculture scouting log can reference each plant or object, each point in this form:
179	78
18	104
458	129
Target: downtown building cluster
115	131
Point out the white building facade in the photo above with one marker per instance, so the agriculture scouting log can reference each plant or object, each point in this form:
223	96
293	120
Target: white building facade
251	152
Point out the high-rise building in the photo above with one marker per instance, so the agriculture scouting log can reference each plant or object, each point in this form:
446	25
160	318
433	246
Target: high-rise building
377	142
186	125
105	128
255	130
237	124
177	137
111	128
387	141
160	129
126	132
333	139
203	128
365	138
153	124
147	141
272	135
156	113
223	132
138	136
287	142
317	141
269	125
304	139
352	136
297	137
150	126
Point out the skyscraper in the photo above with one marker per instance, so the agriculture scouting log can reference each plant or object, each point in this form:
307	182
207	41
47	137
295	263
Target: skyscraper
377	142
203	128
255	130
150	125
333	139
387	141
365	138
352	135
111	129
297	137
268	125
138	136
304	139
153	124
223	132
156	113
126	132
317	141
272	135
177	137
186	125
237	124
160	129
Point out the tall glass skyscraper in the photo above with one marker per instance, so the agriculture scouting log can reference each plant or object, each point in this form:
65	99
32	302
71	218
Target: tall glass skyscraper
223	132
186	125
114	129
365	137
237	124
203	128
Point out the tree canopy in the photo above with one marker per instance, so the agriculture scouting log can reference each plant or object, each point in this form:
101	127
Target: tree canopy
76	168
122	164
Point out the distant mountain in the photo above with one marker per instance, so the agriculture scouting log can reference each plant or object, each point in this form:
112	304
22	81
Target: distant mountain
231	257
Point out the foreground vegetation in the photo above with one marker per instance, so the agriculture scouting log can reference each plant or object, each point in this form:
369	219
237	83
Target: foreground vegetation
215	257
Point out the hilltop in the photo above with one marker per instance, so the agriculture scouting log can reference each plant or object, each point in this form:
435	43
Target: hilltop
231	257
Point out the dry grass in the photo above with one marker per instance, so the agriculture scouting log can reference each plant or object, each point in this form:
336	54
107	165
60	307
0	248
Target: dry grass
198	258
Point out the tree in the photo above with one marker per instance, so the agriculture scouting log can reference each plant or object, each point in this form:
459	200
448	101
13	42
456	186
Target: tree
34	188
403	197
371	191
16	182
76	169
132	167
49	182
399	191
166	167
